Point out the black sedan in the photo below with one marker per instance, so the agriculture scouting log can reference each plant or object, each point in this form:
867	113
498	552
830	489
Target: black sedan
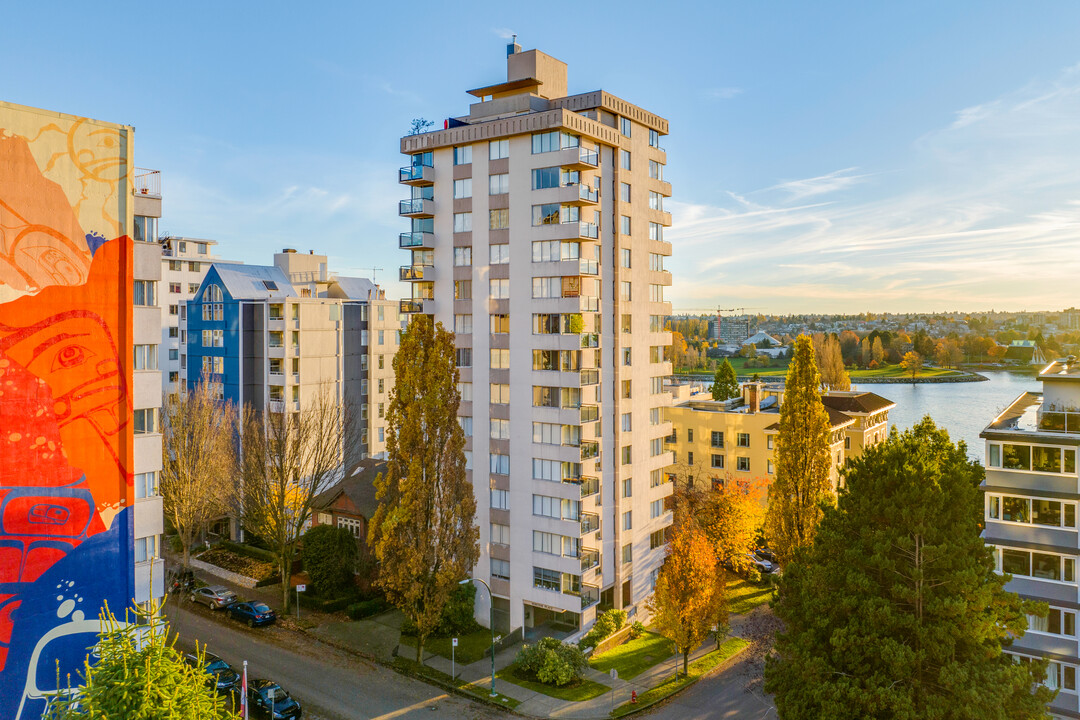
253	613
268	699
225	677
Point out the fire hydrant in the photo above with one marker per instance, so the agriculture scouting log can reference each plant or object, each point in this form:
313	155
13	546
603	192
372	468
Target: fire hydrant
633	697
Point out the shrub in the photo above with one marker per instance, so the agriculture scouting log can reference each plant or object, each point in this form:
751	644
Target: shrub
753	574
607	624
636	630
457	616
249	551
329	558
366	608
551	662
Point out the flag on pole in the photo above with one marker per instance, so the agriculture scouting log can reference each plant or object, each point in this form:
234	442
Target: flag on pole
244	694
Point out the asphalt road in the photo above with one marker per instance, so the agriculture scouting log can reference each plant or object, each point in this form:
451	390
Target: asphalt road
330	684
734	693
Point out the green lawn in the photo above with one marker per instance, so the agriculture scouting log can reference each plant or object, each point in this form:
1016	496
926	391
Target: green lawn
744	596
583	689
697	670
889	371
411	667
634	656
470	647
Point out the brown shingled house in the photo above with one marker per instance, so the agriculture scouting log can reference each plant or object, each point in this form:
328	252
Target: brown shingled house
351	502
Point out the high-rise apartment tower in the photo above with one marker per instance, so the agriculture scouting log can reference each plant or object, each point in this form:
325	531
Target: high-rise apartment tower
537	236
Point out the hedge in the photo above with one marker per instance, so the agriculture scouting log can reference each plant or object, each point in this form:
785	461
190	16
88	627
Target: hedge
249	551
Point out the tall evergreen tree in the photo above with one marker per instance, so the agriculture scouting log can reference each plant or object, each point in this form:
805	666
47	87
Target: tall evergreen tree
896	611
802	457
423	532
725	383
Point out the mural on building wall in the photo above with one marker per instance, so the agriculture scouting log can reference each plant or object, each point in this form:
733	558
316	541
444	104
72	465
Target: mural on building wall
65	379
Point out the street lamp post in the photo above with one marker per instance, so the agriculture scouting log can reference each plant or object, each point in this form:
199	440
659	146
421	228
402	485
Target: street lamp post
491	624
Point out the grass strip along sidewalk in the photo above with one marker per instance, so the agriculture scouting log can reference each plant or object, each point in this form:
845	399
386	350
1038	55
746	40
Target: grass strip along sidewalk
634	656
583	689
470	647
430	674
698	669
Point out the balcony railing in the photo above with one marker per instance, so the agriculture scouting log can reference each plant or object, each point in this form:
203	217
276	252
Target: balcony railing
590	304
589	559
590	522
590	595
417	206
588	194
590	413
588	267
146	182
589	449
1062	422
590	340
589	157
589	486
408	306
588	230
590	376
416	239
416	174
411	272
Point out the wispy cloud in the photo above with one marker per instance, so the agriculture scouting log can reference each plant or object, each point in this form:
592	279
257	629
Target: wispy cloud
721	93
985	215
504	33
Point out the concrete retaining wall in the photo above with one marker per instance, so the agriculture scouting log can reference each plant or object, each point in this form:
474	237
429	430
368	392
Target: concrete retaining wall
236	578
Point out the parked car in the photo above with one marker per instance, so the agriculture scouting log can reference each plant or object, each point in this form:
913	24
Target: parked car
764	566
268	699
225	677
183	581
766	554
214	597
253	613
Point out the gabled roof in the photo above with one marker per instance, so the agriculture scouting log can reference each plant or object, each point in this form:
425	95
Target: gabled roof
837	420
354	288
254	282
859	403
358	485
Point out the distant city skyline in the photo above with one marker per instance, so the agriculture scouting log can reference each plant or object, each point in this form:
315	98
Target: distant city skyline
831	158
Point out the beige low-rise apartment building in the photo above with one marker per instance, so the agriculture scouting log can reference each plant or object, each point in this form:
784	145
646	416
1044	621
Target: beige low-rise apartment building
537	235
716	441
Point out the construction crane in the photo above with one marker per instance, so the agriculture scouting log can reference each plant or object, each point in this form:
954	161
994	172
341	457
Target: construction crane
710	311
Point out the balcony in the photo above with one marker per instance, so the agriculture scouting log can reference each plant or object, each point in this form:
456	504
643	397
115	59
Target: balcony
578	158
408	240
1059	422
417	175
589	376
588	267
417	207
409	306
277	406
411	272
589	559
589	449
589	486
579	194
590	522
590	340
590	595
590	413
146	182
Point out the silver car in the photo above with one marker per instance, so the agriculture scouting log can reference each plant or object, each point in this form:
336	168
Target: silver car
214	597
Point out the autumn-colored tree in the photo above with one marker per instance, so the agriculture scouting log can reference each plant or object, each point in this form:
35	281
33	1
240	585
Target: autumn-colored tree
865	350
725	383
288	459
896	611
877	352
424	533
748	351
803	461
139	675
679	349
729	513
849	347
912	363
947	353
833	374
198	461
689	598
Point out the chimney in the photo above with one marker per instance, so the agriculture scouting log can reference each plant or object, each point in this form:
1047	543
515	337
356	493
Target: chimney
753	397
513	48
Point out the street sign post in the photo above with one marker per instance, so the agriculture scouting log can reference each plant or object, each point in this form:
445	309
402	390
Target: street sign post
453	652
299	589
614	676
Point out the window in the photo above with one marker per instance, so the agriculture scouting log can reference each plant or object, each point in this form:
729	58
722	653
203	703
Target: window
656	508
499	288
553	140
146	357
213	365
627	422
146	230
743	439
465	391
145	293
1056	622
627	454
628	520
769	467
500	324
656	201
656	170
463	289
624	159
656	385
499	429
500	569
146	421
463	324
500	394
146	485
742	464
624	257
656	293
146	548
689	458
500	534
626	389
498	149
174	354
543	178
547	287
463	188
462	222
382	406
624	224
628	553
558	508
718	461
499	184
463	155
499	464
547	579
654	139
656	231
498	219
625	291
174	309
499	254
627	356
656	262
500	358
174	287
1033	511
624	192
466	424
462	256
995	455
547	214
1038	565
500	499
464	357
657	539
382	337
624	126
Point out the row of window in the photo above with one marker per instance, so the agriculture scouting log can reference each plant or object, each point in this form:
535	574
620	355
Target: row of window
175	287
1037	458
1028	563
1031	511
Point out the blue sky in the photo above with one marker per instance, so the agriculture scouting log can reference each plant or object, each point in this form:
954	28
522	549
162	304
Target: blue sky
825	157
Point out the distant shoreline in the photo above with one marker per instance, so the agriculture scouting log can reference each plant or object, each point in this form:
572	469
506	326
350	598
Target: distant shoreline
965	377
